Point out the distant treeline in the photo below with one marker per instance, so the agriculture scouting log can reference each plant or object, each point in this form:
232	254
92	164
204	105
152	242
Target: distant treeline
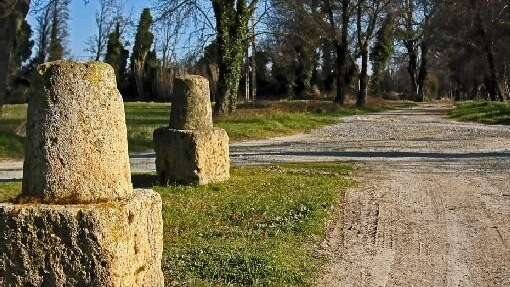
305	49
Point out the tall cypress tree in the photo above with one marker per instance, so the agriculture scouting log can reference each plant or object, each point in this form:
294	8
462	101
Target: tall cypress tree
116	55
59	29
142	46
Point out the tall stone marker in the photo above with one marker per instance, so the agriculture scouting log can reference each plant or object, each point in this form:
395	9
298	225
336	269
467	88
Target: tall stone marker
78	221
191	150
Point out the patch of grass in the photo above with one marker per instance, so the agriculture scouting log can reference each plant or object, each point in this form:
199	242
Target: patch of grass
482	112
259	228
264	120
9	190
11	118
142	119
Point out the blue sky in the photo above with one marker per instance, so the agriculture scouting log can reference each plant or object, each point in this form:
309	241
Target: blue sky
82	23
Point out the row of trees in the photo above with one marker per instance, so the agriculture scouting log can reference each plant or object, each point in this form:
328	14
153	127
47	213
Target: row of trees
305	48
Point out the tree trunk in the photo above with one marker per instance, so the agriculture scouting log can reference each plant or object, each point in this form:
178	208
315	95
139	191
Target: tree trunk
342	53
412	68
12	13
138	74
422	75
232	29
493	81
253	91
361	99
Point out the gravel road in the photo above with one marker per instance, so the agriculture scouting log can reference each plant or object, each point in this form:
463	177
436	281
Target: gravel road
432	207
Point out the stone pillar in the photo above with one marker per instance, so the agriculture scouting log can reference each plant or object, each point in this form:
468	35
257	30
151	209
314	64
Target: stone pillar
78	221
191	150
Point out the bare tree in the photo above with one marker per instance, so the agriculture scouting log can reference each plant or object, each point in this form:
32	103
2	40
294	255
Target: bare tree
340	36
369	15
104	19
414	33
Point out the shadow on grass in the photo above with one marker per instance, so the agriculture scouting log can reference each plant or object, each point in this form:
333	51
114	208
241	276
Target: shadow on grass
144	180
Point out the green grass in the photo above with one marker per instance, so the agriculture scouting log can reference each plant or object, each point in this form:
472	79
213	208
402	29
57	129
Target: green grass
9	190
11	145
482	112
254	121
261	228
283	118
142	119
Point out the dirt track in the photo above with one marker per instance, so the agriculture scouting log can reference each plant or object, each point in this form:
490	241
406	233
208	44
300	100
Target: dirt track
433	204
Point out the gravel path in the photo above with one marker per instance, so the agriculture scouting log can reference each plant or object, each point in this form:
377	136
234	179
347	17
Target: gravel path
432	207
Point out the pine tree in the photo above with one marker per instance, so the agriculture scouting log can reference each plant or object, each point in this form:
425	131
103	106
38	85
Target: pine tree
142	46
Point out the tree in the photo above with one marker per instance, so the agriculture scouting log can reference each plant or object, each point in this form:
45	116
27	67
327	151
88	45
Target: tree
231	29
104	23
296	39
12	15
116	54
59	29
340	38
414	26
382	50
43	37
142	46
368	16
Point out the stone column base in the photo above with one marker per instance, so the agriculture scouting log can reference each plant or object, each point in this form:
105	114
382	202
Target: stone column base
192	156
118	243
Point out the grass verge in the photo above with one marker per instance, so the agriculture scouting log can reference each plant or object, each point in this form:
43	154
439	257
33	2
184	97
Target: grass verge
250	121
261	228
482	112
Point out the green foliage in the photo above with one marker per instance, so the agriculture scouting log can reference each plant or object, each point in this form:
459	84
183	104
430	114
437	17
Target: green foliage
9	190
232	35
260	228
142	46
116	55
151	72
58	32
383	50
482	112
143	38
23	44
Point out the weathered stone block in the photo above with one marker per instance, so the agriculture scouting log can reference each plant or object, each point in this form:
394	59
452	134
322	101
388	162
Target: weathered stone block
106	244
192	156
76	148
191	105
